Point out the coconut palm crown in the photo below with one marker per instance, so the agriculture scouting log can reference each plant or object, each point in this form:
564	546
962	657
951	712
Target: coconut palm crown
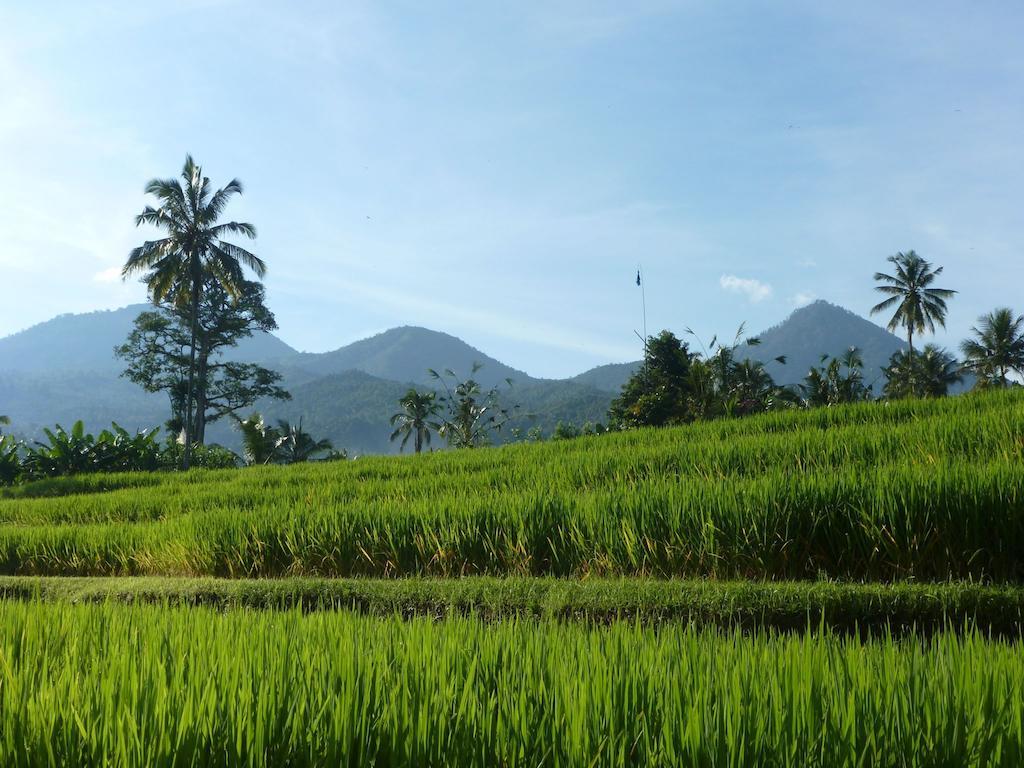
919	307
997	349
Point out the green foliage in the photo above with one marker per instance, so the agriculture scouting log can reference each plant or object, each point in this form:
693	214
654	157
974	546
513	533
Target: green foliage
469	416
10	460
997	349
675	386
928	373
169	686
919	306
840	381
658	393
909	489
284	444
209	456
77	451
416	419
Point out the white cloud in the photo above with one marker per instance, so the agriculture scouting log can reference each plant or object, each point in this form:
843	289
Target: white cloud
754	290
802	298
111	275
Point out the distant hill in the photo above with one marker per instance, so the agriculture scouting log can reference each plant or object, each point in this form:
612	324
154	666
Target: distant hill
608	378
405	354
85	342
64	369
823	329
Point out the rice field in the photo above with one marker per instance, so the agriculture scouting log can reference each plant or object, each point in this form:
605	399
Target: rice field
168	686
905	490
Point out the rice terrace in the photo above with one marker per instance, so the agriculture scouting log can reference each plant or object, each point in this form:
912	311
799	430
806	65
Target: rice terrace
256	511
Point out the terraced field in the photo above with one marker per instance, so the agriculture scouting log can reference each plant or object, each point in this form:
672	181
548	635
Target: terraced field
841	587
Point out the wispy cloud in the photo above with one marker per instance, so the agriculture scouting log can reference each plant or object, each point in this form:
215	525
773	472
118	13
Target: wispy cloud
802	298
754	290
111	275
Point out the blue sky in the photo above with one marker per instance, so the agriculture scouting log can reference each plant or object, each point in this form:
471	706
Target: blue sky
498	171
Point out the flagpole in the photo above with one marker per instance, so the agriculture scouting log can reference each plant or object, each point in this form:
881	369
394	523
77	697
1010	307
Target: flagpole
643	307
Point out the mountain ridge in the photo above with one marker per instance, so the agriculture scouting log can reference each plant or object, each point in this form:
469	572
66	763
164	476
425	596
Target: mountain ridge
68	371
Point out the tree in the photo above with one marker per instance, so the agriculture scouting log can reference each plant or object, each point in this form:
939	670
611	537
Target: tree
997	349
841	381
918	306
928	373
416	419
295	445
657	393
284	444
158	353
179	266
259	440
4	421
469	415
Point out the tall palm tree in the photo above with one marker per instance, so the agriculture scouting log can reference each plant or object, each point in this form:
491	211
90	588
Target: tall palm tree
177	266
259	440
918	306
414	420
998	349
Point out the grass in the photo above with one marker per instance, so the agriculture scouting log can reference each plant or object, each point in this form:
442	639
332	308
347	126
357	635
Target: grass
788	606
168	686
869	492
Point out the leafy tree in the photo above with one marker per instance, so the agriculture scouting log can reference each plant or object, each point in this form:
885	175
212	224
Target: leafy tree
416	419
158	353
179	266
468	414
4	421
657	393
841	381
919	307
928	373
997	349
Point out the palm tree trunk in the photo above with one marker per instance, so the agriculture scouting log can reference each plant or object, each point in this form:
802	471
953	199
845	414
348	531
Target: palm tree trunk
186	459
419	439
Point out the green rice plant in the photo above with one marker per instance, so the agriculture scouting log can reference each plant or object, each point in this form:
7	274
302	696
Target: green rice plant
910	489
161	686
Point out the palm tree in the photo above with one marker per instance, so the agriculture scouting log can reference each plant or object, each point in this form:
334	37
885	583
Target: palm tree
998	349
919	306
414	420
177	266
259	440
929	373
295	445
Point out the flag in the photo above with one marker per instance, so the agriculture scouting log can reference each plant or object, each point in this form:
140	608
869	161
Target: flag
638	277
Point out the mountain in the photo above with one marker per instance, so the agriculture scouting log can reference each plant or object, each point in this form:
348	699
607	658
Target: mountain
64	369
608	378
808	333
85	342
820	329
405	354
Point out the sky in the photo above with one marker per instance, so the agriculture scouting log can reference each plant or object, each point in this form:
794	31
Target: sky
498	171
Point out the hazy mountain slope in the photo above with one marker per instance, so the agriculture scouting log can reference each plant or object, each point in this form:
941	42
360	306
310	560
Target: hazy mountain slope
85	342
405	354
608	378
822	328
